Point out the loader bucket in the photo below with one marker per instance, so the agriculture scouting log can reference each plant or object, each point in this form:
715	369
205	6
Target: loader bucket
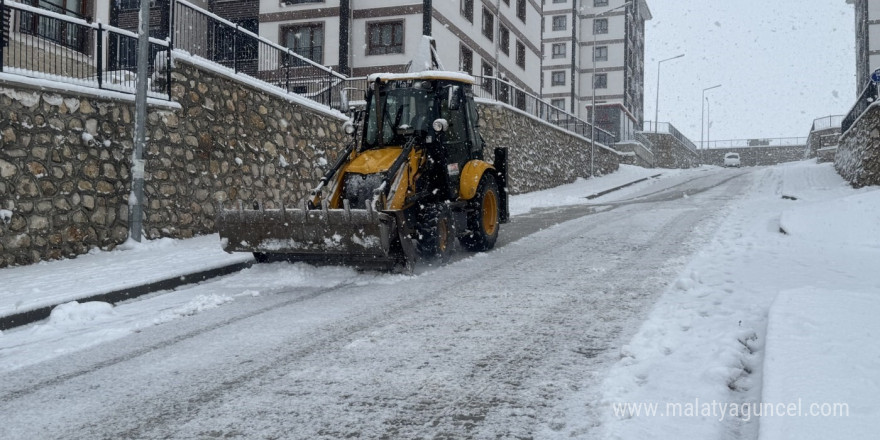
359	237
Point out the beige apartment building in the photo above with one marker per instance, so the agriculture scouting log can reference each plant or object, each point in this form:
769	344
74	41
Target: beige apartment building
601	43
867	40
358	37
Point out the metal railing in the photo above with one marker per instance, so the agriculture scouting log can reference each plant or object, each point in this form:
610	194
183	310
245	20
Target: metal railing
868	96
666	127
40	43
826	122
501	90
757	143
356	90
216	39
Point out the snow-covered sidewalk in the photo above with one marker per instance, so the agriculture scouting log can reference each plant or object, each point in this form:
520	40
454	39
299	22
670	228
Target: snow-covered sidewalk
47	284
714	353
821	366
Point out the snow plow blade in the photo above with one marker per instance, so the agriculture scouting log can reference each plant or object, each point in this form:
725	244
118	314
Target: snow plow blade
362	238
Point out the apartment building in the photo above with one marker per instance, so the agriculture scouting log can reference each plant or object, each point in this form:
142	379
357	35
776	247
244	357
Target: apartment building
601	43
491	37
867	39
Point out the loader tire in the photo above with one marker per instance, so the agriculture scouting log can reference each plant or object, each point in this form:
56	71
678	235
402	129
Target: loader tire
483	216
435	233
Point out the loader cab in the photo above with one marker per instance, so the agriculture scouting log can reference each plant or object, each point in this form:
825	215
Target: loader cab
404	108
397	110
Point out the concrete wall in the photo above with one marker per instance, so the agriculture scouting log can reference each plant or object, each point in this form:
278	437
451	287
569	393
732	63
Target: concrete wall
858	154
754	156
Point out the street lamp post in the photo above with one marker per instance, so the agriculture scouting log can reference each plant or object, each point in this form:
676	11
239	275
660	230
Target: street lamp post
657	101
593	99
708	120
136	200
702	123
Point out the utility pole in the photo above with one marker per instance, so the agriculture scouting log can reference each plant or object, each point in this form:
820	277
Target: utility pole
136	199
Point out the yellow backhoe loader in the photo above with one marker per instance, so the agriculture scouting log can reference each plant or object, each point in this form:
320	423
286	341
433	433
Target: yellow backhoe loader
412	180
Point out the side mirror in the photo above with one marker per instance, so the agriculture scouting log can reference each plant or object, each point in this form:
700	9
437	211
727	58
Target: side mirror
348	127
453	102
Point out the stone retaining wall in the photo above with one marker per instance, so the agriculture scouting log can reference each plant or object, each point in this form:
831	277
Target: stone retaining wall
639	155
858	154
63	174
540	156
755	156
826	154
669	152
822	140
65	159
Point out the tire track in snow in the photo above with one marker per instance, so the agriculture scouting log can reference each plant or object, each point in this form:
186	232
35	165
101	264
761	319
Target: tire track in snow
334	335
35	387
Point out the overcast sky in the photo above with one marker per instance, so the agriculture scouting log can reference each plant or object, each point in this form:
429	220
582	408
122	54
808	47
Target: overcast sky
781	64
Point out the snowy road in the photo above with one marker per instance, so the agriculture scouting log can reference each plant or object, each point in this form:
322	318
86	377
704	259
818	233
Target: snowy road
490	346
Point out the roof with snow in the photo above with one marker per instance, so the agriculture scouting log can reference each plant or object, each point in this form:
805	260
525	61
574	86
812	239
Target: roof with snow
426	75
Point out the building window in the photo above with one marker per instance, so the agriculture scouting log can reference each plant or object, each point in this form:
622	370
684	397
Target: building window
488	71
600	81
466	60
558	50
488	25
504	39
600	26
521	10
557	78
559	22
306	40
558	103
385	38
507	2
467	9
600	3
559	1
600	53
299	2
520	54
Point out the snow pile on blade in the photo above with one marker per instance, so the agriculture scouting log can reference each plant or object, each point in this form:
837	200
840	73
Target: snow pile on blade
361	237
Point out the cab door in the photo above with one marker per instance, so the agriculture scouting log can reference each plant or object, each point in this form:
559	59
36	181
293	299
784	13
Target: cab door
456	138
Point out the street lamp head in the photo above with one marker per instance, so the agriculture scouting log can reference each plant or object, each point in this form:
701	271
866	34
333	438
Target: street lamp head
657	102
671	58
